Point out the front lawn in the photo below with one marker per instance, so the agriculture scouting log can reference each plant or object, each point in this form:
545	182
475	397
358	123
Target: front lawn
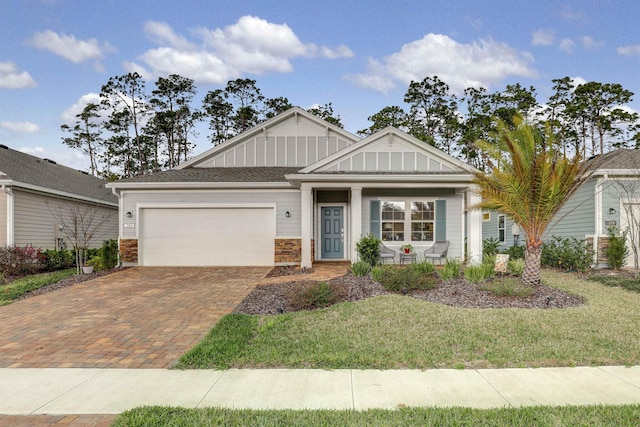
24	285
395	331
626	415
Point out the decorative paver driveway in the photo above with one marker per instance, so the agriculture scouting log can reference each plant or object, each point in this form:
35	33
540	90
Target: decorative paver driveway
143	317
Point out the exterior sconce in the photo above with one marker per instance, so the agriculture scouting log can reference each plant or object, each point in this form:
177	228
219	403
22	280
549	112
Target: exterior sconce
129	214
287	214
612	211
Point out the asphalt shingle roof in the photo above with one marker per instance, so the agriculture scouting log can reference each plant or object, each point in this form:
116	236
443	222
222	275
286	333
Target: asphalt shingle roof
28	169
623	158
234	174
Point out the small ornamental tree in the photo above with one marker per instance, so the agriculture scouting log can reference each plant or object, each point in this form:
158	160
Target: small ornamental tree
81	223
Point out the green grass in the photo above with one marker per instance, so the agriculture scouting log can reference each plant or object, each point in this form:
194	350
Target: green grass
625	415
26	284
619	282
394	331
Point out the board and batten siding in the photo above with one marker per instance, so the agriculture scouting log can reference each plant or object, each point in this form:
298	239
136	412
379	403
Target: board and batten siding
289	200
34	222
577	217
454	218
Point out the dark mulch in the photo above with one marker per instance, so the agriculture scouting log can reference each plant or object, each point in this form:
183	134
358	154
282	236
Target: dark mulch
69	281
276	298
288	270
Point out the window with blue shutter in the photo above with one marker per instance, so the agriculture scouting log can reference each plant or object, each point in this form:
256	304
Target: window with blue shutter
374	222
441	220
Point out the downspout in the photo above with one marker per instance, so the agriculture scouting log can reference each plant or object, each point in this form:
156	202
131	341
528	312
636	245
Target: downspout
120	223
10	237
598	217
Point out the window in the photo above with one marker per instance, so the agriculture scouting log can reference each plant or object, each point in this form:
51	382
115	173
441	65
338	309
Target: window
422	216
486	216
502	226
393	221
400	225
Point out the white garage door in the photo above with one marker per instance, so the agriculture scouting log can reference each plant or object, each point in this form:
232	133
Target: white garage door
207	236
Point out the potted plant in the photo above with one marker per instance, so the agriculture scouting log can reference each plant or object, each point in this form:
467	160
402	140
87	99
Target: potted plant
408	248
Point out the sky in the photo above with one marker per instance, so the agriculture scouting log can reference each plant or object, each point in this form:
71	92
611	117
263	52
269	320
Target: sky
55	55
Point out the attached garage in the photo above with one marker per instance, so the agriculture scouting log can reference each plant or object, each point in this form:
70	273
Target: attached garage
207	236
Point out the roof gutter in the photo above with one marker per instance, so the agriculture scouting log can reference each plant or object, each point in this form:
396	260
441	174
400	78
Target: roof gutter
36	188
191	185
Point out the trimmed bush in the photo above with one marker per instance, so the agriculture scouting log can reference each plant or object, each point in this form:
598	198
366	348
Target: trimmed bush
58	260
567	253
368	248
617	250
515	252
403	279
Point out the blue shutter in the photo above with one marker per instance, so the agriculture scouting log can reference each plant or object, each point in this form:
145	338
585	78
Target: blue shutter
374	222
441	220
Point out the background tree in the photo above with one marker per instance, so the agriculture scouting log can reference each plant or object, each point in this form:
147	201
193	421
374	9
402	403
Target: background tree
389	116
325	112
86	134
529	181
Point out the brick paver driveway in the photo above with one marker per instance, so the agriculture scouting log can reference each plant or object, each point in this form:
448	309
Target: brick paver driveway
143	317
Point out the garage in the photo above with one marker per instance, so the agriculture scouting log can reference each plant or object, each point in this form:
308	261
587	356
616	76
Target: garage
233	236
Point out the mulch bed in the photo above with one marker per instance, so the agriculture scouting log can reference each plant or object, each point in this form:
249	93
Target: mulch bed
276	298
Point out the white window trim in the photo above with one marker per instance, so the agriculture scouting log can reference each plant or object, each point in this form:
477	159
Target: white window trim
504	228
407	219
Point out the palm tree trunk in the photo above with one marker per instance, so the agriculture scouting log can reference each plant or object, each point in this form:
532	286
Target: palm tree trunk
532	264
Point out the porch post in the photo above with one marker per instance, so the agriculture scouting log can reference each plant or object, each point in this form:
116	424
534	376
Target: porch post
306	212
474	227
356	220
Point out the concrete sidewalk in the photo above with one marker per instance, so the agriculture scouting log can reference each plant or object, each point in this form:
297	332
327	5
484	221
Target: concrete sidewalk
111	391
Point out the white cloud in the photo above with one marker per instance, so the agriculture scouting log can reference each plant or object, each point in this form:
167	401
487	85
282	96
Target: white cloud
577	81
20	127
69	115
631	50
543	37
566	45
480	63
12	78
251	45
68	47
63	156
589	42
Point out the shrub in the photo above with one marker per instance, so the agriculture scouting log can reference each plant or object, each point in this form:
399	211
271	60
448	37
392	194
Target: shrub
368	248
451	270
508	286
317	295
402	279
567	253
490	247
15	260
478	273
516	266
424	267
58	260
106	257
376	273
360	268
515	252
617	250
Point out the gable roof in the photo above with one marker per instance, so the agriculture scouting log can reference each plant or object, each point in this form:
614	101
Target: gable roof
621	159
391	140
30	172
294	113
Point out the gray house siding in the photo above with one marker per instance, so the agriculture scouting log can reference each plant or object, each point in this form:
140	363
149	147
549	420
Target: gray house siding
490	230
577	216
285	201
454	219
34	222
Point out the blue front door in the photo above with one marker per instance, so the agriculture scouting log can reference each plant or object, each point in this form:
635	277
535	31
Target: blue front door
332	233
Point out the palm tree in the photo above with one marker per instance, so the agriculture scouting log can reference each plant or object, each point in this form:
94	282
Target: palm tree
529	181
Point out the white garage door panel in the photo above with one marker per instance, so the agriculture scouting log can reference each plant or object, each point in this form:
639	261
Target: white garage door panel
207	236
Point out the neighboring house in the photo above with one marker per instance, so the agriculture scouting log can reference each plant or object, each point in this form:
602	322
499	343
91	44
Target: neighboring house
35	189
294	190
610	198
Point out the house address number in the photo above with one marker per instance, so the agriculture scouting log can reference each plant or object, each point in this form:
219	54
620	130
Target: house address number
129	226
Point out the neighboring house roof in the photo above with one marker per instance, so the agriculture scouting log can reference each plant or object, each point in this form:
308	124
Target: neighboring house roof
235	174
30	172
622	158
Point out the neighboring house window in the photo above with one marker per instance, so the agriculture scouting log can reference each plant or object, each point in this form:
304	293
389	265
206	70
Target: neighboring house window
398	225
393	221
486	216
502	228
422	225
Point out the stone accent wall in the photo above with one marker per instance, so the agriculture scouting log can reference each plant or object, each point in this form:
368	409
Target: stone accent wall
288	251
313	250
603	245
129	250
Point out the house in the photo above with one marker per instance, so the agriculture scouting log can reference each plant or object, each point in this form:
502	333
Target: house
34	190
294	190
611	198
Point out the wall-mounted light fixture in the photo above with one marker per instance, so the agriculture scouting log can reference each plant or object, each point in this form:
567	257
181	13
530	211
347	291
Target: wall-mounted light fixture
612	211
287	214
129	214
